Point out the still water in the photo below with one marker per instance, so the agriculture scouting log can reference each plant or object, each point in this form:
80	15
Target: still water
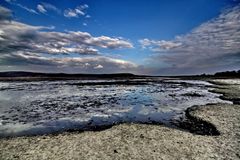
32	108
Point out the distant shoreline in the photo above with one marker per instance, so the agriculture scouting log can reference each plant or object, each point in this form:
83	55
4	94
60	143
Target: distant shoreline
37	76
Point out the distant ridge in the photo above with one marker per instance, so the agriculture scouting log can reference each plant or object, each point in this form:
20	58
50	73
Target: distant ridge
29	76
38	74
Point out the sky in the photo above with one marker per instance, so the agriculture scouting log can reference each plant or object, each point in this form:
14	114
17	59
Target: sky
154	37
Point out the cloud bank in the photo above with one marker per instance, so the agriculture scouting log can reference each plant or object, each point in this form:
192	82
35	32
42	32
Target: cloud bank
212	46
91	64
26	45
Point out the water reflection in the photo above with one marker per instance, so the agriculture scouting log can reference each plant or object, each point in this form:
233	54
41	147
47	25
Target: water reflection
28	108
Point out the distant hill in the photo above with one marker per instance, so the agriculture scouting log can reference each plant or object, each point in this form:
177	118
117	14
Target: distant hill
35	74
19	75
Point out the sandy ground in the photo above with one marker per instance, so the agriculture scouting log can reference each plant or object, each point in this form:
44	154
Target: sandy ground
138	141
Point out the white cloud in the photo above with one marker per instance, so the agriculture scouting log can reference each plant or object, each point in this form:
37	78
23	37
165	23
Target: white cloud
98	67
159	45
45	7
79	12
51	7
27	9
41	8
76	12
22	6
70	13
88	16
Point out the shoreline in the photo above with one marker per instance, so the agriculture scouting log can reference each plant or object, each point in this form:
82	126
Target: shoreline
158	141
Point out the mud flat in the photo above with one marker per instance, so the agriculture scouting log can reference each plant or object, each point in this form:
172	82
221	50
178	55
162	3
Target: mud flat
139	141
230	88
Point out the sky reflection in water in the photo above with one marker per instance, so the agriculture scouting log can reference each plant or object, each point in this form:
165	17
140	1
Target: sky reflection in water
29	108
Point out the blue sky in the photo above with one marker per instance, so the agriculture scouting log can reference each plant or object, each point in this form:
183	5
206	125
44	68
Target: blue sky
157	37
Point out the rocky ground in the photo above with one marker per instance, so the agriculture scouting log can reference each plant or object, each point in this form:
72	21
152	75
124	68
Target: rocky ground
229	88
139	141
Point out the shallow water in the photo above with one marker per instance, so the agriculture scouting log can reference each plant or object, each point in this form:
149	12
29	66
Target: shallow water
29	108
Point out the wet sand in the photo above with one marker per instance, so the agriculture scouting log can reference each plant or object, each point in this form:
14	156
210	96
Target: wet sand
139	141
